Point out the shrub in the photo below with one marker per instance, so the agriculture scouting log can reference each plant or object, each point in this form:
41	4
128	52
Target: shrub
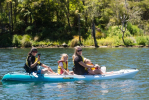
16	40
89	42
147	40
74	42
35	44
141	40
99	34
128	41
106	42
110	41
134	30
26	41
115	31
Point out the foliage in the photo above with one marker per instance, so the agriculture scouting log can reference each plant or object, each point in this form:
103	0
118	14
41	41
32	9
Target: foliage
5	40
26	41
115	31
134	30
19	27
99	34
89	41
147	40
141	40
16	41
110	41
129	42
74	42
57	20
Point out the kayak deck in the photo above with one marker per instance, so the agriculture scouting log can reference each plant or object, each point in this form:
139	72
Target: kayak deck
16	76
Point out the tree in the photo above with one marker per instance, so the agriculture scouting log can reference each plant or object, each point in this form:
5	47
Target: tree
91	9
123	12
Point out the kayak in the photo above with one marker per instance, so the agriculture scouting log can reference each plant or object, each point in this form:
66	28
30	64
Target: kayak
17	76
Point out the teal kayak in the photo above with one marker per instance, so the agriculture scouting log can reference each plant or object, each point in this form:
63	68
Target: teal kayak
17	76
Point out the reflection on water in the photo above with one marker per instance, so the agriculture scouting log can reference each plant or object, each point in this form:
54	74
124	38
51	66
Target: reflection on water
12	60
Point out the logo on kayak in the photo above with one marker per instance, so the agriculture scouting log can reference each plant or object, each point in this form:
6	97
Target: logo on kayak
68	78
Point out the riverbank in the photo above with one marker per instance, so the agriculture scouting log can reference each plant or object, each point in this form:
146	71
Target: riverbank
59	46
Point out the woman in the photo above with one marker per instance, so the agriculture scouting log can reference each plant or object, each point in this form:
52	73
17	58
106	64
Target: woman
32	62
63	65
80	68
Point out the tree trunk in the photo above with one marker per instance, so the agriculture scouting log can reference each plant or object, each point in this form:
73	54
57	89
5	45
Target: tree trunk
93	33
11	17
79	29
123	37
15	11
67	13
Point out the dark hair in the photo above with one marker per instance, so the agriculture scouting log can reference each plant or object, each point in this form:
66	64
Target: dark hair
32	49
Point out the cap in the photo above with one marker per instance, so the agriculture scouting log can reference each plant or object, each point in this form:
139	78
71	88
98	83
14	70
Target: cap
33	49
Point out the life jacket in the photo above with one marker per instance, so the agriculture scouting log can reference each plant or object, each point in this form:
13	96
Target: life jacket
83	61
93	67
79	69
27	67
65	66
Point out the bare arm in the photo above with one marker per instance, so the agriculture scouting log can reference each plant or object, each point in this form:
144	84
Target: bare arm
45	66
34	64
64	70
84	65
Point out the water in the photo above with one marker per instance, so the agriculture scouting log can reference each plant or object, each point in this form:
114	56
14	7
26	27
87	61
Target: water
12	60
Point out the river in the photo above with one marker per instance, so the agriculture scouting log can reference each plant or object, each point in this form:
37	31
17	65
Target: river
12	60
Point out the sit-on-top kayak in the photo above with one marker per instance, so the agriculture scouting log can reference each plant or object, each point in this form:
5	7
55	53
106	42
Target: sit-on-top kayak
16	76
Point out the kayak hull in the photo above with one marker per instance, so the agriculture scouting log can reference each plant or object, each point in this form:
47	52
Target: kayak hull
121	74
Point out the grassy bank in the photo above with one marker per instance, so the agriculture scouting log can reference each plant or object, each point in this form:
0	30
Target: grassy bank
115	41
110	38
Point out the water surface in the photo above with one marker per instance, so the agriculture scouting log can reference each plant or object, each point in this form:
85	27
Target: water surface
12	60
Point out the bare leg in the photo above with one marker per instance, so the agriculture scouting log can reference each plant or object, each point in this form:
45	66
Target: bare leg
51	71
98	71
71	72
91	72
46	70
64	73
108	72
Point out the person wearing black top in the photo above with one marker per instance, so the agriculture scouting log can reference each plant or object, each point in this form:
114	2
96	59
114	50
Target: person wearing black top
32	62
80	68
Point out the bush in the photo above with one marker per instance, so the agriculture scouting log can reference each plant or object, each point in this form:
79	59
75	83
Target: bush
35	44
134	30
141	40
128	42
115	31
17	40
26	41
74	42
89	41
147	40
99	34
106	42
110	41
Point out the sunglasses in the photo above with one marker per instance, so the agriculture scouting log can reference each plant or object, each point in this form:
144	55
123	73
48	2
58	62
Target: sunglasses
34	51
79	50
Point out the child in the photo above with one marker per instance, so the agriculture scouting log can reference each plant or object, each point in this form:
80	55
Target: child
92	70
63	65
